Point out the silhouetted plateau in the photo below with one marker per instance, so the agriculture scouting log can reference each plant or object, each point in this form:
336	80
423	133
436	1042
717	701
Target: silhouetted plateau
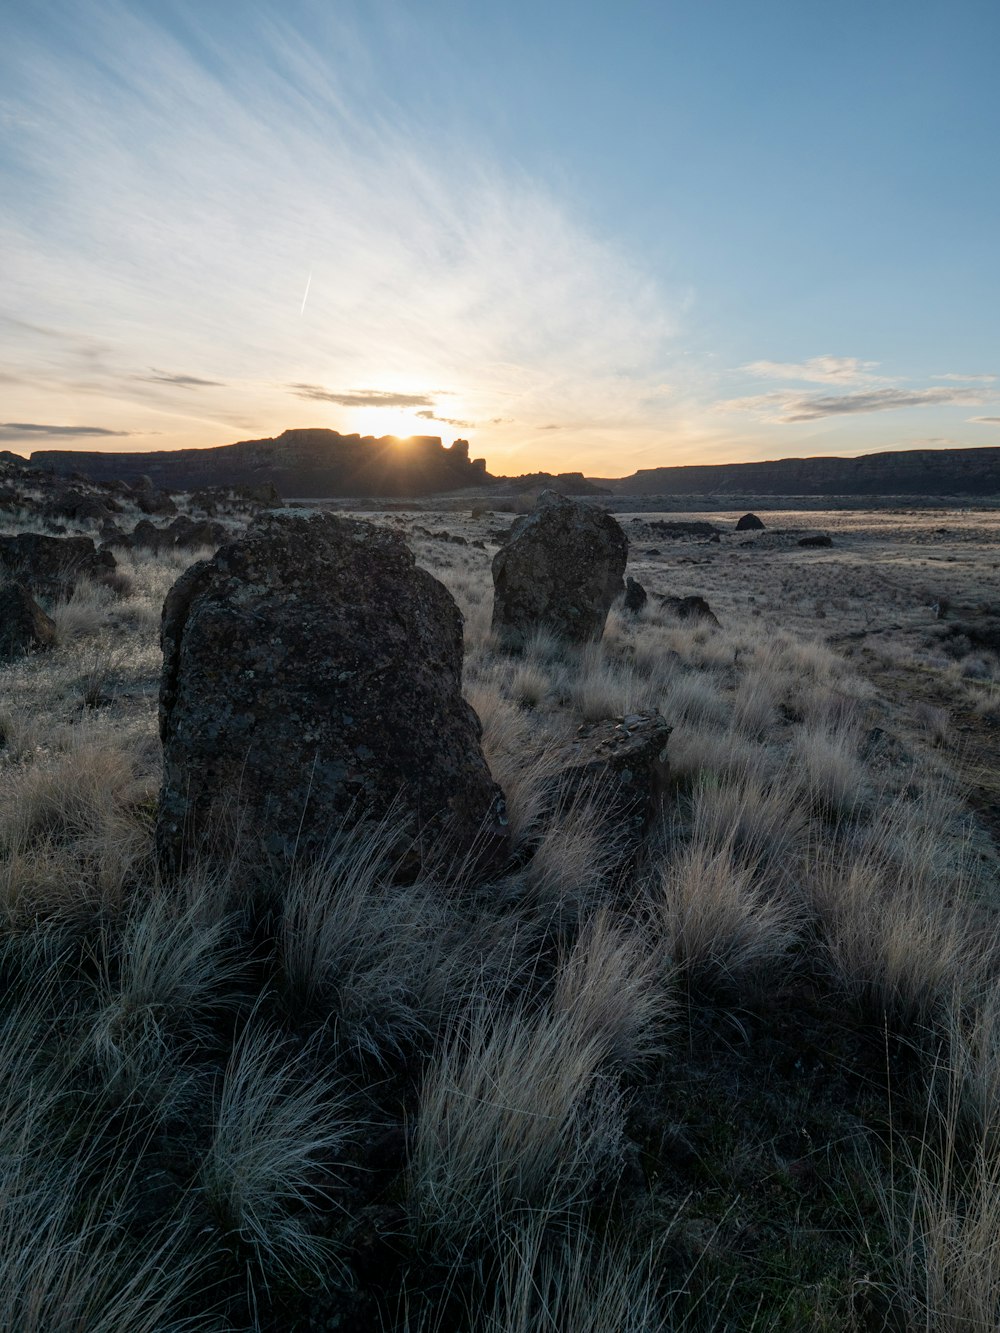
309	463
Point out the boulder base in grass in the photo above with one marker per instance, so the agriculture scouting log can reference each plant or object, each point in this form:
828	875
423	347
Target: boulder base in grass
24	626
749	523
635	595
561	570
689	608
622	766
312	680
50	566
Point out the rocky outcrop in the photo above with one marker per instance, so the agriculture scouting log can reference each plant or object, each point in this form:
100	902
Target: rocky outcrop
298	463
182	532
561	570
24	626
622	767
50	566
749	523
312	679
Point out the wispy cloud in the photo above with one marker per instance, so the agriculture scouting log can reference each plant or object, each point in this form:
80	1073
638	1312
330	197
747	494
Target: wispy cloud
181	381
432	261
428	415
985	421
361	397
968	379
817	370
33	430
788	408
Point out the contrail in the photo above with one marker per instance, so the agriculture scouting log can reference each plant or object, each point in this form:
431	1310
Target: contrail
305	295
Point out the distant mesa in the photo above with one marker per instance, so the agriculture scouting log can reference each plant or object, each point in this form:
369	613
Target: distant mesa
318	464
906	472
306	463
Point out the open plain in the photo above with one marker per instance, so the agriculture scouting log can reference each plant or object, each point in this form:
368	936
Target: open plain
744	1074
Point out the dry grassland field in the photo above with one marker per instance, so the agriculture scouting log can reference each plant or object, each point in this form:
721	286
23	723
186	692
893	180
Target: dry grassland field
749	1080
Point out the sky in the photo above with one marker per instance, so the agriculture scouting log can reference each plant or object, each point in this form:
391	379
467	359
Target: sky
581	235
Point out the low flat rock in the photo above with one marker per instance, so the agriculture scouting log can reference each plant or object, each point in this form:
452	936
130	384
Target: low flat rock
620	764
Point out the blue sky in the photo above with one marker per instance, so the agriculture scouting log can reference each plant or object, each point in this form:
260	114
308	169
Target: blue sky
581	235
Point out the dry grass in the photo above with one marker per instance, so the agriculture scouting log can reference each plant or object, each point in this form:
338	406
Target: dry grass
356	952
504	1020
281	1127
517	1119
715	924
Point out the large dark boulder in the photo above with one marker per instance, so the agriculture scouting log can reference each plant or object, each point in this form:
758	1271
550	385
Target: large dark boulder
50	566
561	570
24	626
311	680
750	523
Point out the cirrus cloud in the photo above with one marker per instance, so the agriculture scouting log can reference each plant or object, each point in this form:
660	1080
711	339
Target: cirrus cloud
788	408
361	397
33	430
816	370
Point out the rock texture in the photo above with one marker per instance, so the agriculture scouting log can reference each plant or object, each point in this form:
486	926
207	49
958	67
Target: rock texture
749	523
24	626
820	539
620	765
311	679
50	566
561	570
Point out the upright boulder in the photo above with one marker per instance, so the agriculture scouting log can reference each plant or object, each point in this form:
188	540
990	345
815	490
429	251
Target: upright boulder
561	569
635	595
312	679
24	626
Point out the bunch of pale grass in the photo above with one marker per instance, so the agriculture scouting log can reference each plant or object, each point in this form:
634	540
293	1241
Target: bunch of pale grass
714	923
516	1118
279	1124
357	952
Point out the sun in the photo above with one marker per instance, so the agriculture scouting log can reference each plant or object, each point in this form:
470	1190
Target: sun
390	421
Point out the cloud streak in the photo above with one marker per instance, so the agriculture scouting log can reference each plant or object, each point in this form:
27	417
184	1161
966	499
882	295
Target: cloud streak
181	381
361	397
790	408
816	370
428	415
33	430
